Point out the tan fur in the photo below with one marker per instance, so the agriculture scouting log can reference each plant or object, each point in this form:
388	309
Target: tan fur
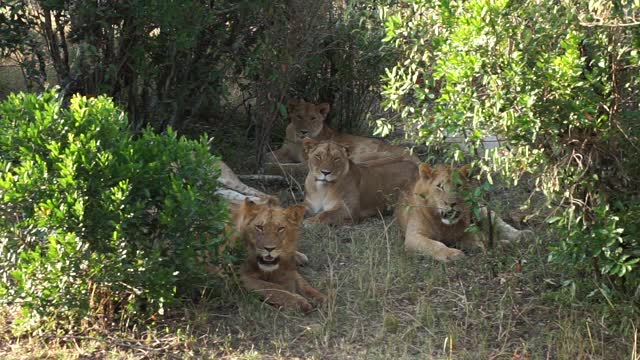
338	190
271	235
434	215
308	121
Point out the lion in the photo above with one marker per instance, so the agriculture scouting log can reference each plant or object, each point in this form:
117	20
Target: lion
308	121
434	215
271	237
337	190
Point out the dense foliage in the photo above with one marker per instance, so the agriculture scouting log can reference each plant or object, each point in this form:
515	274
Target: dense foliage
94	223
558	83
194	65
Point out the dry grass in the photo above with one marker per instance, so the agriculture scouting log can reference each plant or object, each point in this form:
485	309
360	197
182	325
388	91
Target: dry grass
383	303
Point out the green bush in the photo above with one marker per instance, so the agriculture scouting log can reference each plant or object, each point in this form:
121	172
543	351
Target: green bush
94	222
559	82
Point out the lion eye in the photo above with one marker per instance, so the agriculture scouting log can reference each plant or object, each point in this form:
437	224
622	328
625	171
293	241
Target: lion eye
260	228
318	157
336	159
281	229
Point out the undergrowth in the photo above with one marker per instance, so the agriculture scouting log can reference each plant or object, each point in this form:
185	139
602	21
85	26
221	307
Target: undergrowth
507	303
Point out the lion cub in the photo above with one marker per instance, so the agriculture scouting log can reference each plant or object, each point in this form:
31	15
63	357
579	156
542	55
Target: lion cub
337	190
270	234
434	215
308	121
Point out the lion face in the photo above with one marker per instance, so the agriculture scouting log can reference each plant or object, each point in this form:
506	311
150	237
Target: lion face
272	233
307	119
327	161
439	190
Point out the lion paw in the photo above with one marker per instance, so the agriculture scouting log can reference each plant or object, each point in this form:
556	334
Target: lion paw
321	299
449	254
301	258
305	306
526	235
517	235
312	221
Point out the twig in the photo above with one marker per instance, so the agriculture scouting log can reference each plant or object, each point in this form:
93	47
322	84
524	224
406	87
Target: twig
264	178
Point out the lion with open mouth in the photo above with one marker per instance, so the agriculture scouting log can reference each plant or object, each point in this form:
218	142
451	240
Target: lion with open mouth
434	215
271	235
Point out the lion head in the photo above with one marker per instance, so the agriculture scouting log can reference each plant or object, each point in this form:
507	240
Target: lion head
272	233
327	161
438	190
307	118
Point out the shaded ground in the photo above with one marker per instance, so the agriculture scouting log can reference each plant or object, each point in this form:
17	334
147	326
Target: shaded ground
383	304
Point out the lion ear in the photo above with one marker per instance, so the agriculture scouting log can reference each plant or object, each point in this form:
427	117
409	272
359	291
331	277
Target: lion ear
249	208
323	109
425	171
307	147
464	170
346	148
271	201
296	213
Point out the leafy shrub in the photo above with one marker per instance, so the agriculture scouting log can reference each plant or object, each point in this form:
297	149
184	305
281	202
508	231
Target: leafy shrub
96	223
561	89
345	71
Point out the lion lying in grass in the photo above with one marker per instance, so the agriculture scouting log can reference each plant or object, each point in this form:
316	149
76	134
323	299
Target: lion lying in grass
270	234
337	190
308	121
434	215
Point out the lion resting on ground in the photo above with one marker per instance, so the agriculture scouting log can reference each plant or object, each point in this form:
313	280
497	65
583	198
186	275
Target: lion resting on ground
271	234
337	190
434	215
308	121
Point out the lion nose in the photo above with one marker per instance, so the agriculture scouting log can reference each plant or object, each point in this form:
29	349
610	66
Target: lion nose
325	172
453	204
304	132
269	248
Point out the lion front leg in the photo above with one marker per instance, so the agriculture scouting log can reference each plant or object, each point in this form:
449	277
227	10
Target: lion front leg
333	217
415	241
285	155
290	152
308	291
473	240
275	294
506	233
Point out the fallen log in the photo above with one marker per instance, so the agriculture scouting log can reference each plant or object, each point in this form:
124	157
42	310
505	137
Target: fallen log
295	170
265	179
238	198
